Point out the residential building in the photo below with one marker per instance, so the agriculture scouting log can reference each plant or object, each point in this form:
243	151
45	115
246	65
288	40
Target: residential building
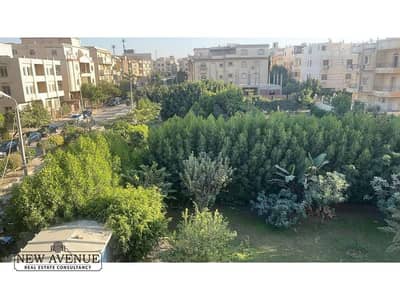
330	63
184	64
103	64
166	66
144	61
5	50
30	80
377	74
77	66
246	66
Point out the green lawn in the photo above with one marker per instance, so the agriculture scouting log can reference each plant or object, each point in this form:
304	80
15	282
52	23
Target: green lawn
352	236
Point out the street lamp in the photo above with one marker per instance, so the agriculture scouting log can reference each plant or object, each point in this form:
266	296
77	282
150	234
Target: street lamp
21	140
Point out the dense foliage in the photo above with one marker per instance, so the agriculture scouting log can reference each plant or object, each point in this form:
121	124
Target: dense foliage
35	116
206	97
279	210
97	94
204	178
202	237
360	146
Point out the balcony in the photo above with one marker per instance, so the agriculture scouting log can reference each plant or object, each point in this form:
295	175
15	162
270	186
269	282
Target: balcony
387	92
382	68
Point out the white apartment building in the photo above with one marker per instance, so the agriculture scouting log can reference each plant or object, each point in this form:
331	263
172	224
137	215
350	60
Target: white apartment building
377	74
330	63
103	64
31	80
77	66
246	66
166	66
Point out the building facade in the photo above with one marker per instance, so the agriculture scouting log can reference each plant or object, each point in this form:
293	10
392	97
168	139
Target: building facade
166	66
143	61
30	80
330	63
77	66
103	64
377	74
246	66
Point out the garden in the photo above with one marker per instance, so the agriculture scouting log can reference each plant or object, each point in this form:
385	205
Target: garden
204	171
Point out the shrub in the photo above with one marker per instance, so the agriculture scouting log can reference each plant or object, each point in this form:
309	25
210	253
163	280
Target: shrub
204	178
322	191
387	193
14	161
56	140
202	237
280	210
137	218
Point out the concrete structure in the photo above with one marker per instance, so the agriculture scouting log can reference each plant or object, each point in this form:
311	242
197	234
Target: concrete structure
77	236
246	66
143	60
377	74
103	64
330	63
31	80
5	50
77	66
166	66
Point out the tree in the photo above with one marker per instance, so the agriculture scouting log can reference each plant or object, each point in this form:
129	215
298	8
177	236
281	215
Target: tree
202	237
204	178
342	103
35	115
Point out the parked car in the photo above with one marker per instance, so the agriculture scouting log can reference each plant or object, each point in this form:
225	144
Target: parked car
87	113
8	147
6	240
77	117
35	136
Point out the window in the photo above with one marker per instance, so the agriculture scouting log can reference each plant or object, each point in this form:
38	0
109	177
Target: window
32	52
54	52
325	62
244	64
396	61
366	60
244	75
203	77
58	70
6	89
27	90
348	76
261	52
221	65
59	85
324	77
221	77
14	51
244	52
323	48
78	82
3	71
364	80
230	75
29	70
349	63
230	64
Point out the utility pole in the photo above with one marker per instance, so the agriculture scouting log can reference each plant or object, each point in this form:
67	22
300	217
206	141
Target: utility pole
130	76
21	139
113	47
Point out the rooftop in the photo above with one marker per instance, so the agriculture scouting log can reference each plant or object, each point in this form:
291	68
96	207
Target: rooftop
82	235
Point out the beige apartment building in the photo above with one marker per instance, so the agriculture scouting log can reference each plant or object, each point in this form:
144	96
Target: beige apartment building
377	74
330	63
166	66
77	66
31	80
289	57
246	66
103	64
143	60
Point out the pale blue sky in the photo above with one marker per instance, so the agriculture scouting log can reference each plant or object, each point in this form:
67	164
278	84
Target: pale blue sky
179	47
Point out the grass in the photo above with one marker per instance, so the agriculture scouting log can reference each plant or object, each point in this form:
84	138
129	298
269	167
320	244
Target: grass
352	236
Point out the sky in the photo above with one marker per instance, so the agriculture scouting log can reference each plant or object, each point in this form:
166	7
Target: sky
179	47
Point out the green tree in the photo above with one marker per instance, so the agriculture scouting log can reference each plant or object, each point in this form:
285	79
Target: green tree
202	237
35	116
204	178
342	103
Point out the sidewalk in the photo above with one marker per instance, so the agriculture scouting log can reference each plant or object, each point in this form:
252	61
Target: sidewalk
14	177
